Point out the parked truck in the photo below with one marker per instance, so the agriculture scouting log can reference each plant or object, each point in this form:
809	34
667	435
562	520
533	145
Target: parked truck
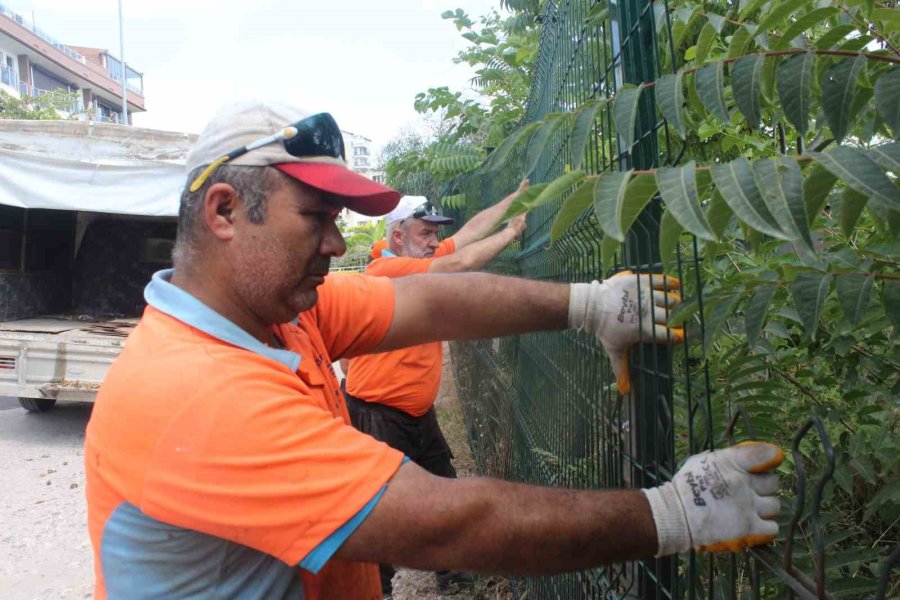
87	214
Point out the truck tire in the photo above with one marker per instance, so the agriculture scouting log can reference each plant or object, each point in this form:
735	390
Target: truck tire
37	405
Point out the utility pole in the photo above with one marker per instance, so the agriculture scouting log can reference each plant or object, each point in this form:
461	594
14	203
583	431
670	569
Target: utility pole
124	68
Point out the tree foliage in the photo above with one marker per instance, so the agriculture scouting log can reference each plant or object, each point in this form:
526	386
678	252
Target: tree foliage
785	121
40	108
502	49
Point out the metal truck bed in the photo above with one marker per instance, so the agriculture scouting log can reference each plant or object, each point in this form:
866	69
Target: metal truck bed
58	357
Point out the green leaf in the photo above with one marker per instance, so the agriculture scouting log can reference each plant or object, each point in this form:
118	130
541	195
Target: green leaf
757	309
886	156
499	156
852	206
751	7
854	292
716	313
669	232
524	201
816	187
581	130
556	188
746	83
833	36
863	466
718	214
641	189
609	197
625	112
670	98
853	556
839	92
793	77
890	297
779	13
809	290
740	39
887	99
768	78
704	43
802	24
538	142
781	183
710	81
888	17
678	186
574	206
737	185
860	172
608	248
717	21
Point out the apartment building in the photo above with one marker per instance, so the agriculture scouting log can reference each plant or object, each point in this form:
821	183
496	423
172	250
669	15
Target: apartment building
361	158
33	63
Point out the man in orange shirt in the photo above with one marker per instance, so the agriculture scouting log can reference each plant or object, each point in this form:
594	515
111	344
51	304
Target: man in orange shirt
391	395
220	460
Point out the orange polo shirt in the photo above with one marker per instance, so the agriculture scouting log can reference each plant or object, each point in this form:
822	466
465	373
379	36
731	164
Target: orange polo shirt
217	463
407	379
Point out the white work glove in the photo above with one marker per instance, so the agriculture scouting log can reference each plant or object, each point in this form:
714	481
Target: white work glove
722	501
610	311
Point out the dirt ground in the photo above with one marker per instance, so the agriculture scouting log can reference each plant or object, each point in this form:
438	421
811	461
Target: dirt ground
421	585
45	553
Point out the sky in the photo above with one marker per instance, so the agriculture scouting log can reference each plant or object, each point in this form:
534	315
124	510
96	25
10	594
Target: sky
361	60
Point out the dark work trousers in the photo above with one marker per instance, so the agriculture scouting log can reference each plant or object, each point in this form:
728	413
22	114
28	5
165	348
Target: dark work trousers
419	438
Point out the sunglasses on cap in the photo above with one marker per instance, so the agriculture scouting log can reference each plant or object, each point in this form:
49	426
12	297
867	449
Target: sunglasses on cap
317	135
423	210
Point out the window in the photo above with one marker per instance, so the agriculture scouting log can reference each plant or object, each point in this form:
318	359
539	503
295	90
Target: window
12	236
360	161
45	81
360	151
107	114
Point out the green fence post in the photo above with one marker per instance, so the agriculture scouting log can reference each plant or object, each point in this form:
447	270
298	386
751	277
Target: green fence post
651	396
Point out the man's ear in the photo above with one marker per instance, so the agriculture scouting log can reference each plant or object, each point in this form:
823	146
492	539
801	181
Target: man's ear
220	205
397	236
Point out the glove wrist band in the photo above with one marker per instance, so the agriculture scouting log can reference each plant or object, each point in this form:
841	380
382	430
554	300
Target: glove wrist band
672	532
579	301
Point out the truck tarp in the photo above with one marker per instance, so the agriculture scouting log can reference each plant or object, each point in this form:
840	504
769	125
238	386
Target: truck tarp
88	166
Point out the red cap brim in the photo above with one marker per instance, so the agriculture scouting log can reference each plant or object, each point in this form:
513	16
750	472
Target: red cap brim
361	194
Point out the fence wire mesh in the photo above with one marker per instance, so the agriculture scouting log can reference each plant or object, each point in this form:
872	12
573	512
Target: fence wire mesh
543	408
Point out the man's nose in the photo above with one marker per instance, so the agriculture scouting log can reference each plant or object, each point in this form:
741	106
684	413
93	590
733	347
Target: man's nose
333	243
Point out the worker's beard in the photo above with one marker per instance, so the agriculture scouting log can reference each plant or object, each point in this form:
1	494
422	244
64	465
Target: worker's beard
412	251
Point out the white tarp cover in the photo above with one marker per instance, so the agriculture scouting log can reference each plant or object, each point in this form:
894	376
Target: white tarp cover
87	166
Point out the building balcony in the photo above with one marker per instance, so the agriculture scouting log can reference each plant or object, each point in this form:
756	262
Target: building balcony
91	70
5	10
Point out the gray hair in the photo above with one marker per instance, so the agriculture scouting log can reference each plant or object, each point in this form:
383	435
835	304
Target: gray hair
252	184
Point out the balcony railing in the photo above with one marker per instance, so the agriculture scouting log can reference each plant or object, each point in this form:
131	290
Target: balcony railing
134	80
5	10
9	76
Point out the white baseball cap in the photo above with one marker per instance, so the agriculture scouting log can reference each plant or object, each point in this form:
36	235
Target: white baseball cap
409	206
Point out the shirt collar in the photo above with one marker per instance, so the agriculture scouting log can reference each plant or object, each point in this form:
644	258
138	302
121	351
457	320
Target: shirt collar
388	253
177	303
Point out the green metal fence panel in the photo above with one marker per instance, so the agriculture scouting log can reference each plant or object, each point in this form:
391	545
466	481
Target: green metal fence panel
543	408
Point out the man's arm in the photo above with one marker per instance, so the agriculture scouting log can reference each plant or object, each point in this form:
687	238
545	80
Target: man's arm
720	501
492	526
476	255
463	306
484	222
